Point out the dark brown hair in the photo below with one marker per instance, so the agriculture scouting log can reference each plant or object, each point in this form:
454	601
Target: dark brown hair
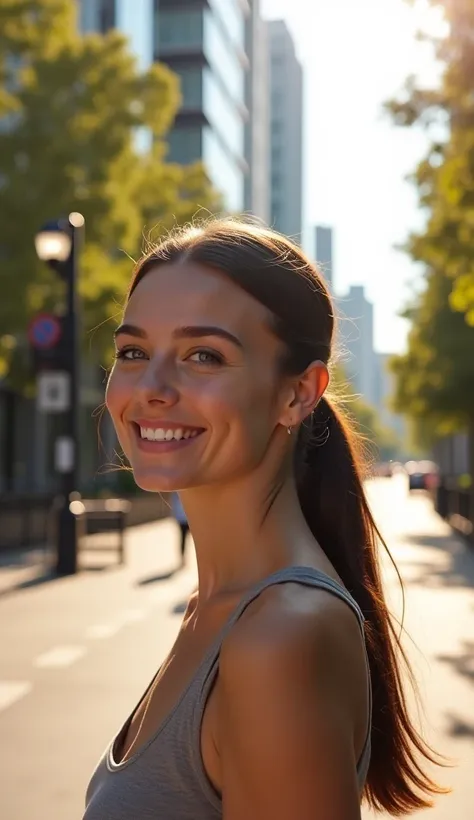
329	477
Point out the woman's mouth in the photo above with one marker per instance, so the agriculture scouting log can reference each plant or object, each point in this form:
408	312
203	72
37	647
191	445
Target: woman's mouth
164	438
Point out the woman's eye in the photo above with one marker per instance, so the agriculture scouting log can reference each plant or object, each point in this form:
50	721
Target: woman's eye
205	357
129	354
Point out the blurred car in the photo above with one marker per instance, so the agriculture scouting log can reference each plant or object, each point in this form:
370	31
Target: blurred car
422	475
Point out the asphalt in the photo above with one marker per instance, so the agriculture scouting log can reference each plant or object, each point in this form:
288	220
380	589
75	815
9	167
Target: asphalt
76	653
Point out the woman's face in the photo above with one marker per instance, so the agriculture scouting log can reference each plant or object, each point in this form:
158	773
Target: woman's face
194	394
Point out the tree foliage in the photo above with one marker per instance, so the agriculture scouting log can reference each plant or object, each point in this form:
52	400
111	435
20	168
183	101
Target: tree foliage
436	375
73	112
445	177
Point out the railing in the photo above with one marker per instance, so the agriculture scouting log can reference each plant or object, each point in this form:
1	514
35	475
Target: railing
454	504
25	520
29	520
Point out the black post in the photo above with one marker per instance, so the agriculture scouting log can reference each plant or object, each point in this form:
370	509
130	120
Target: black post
68	523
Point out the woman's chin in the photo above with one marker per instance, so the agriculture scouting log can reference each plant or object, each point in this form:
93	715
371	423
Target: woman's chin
155	482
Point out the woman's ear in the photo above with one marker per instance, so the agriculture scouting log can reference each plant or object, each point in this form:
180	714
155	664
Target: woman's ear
307	389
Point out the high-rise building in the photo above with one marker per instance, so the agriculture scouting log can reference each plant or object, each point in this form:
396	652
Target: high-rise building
384	390
356	336
214	47
286	132
323	252
204	43
257	129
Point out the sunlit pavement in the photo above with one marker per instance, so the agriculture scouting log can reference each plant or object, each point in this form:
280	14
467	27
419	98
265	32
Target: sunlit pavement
438	574
77	653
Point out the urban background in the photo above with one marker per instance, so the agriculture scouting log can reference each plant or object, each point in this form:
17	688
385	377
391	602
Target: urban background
122	118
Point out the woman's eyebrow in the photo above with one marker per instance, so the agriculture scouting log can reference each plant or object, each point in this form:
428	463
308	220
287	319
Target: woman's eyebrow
130	330
197	331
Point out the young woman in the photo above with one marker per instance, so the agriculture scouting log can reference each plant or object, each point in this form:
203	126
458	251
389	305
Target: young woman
282	696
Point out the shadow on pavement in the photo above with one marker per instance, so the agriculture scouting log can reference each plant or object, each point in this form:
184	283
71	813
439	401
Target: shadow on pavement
455	569
463	662
165	576
25	569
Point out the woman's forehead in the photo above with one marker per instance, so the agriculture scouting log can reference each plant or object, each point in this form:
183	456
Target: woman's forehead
190	292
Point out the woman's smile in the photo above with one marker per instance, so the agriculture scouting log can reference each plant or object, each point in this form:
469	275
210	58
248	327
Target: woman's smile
164	436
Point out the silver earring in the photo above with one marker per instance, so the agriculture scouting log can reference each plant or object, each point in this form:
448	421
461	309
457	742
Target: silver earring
289	431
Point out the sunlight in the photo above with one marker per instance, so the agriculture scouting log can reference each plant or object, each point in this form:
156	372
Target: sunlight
429	19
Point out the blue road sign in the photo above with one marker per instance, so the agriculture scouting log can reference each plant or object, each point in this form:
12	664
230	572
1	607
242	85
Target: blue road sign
44	331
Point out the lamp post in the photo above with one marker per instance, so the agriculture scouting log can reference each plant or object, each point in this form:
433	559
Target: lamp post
57	244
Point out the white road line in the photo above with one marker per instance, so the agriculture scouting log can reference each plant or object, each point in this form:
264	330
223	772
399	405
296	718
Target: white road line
99	631
60	656
13	690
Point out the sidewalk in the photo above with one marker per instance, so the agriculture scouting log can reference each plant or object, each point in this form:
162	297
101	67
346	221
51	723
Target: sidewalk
149	548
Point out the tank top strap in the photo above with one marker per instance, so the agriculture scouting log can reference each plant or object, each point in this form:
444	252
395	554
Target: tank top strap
307	576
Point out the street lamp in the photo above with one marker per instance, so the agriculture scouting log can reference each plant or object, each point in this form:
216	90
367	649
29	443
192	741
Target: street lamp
57	244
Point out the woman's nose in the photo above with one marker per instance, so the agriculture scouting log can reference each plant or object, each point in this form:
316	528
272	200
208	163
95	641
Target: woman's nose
158	385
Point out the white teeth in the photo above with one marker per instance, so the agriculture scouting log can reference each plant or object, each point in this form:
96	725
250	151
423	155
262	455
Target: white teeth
161	434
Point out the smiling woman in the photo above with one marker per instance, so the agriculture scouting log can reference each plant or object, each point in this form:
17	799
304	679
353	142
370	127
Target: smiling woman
282	694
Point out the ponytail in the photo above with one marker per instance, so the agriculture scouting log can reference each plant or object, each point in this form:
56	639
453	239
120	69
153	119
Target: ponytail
331	494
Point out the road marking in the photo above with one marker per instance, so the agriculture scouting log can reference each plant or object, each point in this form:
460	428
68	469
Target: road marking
13	690
60	656
100	631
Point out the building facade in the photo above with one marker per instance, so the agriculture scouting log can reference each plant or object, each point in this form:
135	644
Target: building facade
356	338
204	44
384	387
286	132
257	129
217	48
323	252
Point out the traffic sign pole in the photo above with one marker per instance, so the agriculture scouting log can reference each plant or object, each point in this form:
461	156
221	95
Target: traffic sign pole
56	344
68	536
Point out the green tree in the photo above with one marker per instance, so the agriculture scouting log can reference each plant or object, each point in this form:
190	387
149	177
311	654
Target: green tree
436	375
71	110
445	177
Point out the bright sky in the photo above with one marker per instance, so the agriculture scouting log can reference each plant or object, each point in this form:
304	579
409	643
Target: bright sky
355	55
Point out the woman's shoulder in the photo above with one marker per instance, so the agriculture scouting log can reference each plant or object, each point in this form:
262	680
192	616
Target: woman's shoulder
289	623
293	678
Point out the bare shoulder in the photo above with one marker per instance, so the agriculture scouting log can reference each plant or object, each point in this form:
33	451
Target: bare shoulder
291	622
292	710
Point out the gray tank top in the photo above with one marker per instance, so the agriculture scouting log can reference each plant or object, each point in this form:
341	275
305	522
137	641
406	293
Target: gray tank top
165	779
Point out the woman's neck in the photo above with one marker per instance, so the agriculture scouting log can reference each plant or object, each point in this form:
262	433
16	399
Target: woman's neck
244	532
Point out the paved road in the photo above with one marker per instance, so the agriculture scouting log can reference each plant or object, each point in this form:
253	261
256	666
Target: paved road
77	653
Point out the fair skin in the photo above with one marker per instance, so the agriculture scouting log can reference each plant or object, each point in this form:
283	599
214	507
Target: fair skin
197	353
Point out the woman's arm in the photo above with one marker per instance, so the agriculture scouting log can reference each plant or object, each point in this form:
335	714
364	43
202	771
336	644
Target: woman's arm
286	722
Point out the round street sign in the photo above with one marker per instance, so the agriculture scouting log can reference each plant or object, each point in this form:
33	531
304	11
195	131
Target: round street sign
44	331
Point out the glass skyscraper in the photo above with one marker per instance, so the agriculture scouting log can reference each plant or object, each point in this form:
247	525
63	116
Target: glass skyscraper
205	42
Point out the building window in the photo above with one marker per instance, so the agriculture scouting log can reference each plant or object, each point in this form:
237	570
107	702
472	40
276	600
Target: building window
222	58
223	114
232	19
181	29
191	81
106	15
226	176
185	144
